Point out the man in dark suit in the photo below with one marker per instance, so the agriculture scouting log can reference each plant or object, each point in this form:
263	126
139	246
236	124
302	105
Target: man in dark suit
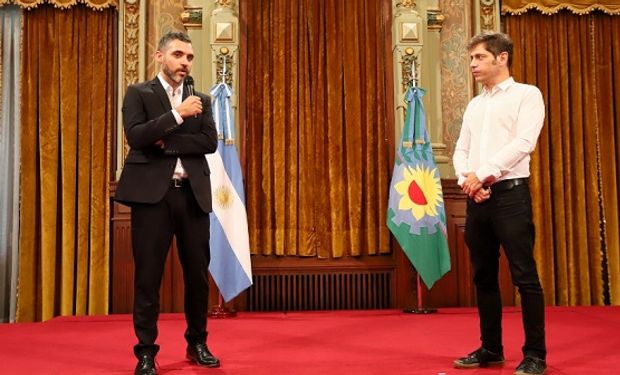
166	183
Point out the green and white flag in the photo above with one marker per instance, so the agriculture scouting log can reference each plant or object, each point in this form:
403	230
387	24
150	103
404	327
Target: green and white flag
416	215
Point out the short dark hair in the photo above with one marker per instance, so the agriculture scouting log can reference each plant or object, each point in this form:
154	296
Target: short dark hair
170	36
494	42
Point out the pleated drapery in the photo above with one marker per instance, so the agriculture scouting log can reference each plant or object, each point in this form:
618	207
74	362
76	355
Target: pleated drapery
316	134
575	61
67	124
10	37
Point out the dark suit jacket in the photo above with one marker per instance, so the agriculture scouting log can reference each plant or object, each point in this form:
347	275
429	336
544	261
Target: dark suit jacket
148	169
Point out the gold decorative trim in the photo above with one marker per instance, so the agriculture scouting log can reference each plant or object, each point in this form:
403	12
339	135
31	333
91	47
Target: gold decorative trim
131	41
409	4
548	10
487	15
435	19
224	58
63	4
192	17
226	6
131	49
409	60
225	3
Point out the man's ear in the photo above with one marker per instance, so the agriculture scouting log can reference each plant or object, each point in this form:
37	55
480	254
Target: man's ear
502	58
159	56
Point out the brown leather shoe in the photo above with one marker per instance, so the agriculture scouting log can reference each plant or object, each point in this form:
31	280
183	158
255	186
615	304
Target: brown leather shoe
200	354
480	358
146	365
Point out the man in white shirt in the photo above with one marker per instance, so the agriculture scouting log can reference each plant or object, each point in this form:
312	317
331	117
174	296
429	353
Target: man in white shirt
491	160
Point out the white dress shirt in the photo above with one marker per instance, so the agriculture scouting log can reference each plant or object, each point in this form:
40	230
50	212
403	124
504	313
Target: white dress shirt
500	129
176	98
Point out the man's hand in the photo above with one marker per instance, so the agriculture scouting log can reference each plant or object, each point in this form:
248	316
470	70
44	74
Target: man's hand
471	185
482	195
191	106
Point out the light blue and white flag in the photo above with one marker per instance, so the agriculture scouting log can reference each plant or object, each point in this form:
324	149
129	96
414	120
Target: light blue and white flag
230	264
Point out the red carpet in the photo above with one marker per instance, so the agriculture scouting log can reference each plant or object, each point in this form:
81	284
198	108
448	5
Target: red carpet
581	340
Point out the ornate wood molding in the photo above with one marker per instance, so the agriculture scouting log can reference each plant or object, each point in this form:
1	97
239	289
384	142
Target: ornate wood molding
131	41
192	17
224	71
487	15
408	62
410	4
131	58
435	19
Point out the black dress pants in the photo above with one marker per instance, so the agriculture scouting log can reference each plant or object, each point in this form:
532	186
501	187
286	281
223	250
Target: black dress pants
506	219
153	226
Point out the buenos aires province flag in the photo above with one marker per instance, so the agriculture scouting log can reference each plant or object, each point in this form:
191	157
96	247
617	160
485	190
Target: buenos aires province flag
230	265
416	215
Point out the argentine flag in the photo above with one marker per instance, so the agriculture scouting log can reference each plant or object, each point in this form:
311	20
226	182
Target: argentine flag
230	264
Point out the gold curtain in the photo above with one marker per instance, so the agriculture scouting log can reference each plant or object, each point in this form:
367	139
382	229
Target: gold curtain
67	124
554	6
316	164
574	60
63	4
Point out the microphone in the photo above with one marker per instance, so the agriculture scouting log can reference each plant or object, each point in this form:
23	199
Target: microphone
189	83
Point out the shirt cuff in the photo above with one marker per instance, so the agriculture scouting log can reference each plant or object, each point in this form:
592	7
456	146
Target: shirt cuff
487	174
177	117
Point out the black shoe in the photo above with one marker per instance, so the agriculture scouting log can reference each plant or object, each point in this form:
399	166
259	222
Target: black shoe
146	365
200	354
531	366
480	358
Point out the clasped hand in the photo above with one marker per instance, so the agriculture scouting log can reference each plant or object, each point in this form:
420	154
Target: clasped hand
474	189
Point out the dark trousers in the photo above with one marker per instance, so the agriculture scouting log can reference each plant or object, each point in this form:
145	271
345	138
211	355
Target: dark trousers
153	226
506	219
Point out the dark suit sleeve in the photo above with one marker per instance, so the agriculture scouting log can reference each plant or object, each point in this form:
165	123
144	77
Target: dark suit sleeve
139	130
202	142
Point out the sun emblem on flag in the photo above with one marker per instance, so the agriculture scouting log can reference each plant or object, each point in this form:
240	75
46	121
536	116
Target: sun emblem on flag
223	196
420	191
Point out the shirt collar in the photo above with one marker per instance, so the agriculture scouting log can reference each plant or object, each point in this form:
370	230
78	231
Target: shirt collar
167	87
503	86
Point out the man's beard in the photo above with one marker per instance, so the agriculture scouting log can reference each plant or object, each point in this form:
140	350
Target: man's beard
172	75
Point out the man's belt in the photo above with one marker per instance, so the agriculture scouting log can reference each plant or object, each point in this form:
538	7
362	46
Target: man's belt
179	182
508	184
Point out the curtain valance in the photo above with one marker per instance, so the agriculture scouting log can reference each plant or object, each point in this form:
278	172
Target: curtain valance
554	6
63	4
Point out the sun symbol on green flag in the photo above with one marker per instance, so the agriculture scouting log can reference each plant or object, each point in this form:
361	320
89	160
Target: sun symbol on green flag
420	191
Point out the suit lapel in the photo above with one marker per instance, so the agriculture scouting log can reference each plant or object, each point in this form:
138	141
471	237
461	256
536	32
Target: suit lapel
161	93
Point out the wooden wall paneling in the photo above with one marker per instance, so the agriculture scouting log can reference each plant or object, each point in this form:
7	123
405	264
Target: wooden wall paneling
288	281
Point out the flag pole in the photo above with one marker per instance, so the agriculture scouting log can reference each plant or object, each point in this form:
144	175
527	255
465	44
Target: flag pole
420	309
220	311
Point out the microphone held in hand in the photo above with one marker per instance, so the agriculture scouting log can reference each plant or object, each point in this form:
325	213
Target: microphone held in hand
189	83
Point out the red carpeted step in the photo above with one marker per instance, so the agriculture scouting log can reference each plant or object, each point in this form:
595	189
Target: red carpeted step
581	340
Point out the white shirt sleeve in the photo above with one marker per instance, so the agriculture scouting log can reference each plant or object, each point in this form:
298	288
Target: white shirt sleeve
461	151
529	123
177	116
